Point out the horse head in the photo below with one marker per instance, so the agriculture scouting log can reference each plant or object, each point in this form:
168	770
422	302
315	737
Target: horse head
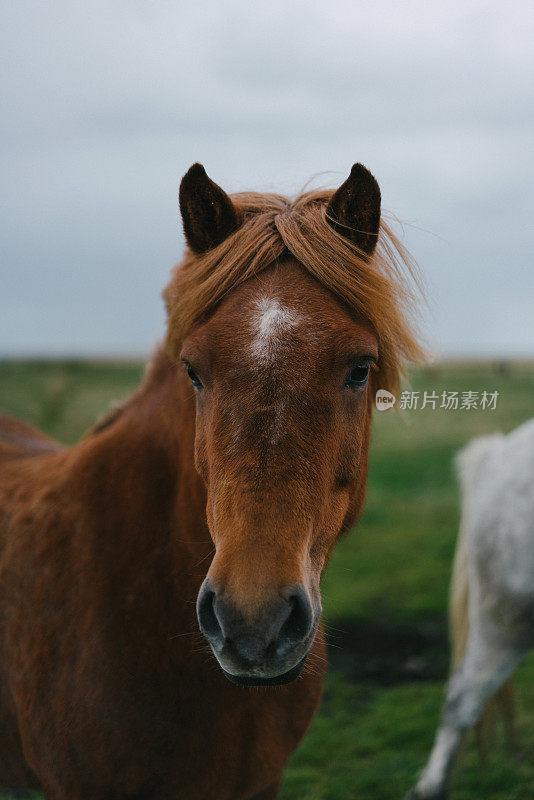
268	315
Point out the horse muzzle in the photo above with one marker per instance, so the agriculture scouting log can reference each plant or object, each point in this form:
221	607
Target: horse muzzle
268	650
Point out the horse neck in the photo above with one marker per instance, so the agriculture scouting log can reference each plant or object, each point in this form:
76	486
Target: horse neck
145	450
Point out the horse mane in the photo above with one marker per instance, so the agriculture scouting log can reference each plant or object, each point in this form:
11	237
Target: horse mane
156	372
382	289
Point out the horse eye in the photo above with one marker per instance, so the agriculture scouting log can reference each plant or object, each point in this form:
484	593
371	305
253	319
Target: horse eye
195	380
358	375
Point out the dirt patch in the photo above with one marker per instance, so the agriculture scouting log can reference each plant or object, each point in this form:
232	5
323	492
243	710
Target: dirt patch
389	653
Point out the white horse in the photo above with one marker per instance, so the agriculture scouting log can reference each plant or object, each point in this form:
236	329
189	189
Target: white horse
492	591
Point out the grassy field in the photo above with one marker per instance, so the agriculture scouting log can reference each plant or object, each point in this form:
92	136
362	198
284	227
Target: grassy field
385	590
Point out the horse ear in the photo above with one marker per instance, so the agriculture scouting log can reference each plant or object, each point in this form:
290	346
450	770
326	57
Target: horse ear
208	214
354	210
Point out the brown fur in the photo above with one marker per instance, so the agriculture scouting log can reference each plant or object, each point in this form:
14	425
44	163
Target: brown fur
376	289
107	689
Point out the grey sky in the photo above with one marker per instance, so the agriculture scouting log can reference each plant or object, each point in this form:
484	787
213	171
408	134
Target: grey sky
105	105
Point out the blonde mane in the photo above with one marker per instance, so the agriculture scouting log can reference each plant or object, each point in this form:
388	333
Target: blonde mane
382	289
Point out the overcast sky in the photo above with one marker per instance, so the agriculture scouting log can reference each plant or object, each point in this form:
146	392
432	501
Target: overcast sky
106	104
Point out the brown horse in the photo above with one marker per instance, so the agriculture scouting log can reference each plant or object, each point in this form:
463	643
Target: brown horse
225	485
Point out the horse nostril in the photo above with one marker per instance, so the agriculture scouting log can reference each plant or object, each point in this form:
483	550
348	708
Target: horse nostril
298	623
284	624
207	618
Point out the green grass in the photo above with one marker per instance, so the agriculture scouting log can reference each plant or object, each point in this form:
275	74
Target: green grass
369	740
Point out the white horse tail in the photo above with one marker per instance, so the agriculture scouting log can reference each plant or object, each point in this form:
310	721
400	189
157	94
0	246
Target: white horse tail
468	463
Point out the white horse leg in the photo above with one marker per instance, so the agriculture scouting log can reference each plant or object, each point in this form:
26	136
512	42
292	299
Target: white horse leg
488	662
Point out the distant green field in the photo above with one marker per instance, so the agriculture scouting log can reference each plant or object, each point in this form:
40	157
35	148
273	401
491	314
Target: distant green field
385	590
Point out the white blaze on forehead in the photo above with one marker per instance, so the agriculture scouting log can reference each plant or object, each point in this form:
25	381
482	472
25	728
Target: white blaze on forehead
271	322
